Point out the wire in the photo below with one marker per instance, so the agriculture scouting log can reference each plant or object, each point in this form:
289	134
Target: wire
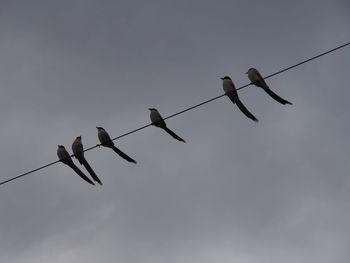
183	111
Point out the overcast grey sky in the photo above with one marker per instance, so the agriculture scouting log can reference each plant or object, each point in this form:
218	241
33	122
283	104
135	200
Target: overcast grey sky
237	191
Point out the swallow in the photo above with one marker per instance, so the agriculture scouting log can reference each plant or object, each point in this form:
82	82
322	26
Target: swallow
65	158
106	141
158	121
231	92
78	151
257	80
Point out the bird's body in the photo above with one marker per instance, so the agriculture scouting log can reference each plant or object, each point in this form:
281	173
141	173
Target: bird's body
256	79
106	141
104	137
231	92
78	151
158	121
65	158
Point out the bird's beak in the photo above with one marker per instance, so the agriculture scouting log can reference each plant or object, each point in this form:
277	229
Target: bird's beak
246	72
149	108
222	78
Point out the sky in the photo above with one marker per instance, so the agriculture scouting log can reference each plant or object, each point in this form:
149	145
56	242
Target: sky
236	191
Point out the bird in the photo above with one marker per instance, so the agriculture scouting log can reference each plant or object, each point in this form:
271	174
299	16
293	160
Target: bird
231	92
65	158
256	79
78	151
158	121
106	141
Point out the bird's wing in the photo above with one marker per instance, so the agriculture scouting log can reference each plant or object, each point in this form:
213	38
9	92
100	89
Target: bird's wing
260	82
160	123
232	96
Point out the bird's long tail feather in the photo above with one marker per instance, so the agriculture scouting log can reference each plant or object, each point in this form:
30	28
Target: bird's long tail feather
235	99
91	172
276	97
174	135
123	155
80	173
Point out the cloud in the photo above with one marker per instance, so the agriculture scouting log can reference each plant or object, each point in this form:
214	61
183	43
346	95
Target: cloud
236	191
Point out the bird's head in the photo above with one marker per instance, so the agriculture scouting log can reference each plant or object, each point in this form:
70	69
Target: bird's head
226	77
100	128
60	146
152	109
79	137
250	70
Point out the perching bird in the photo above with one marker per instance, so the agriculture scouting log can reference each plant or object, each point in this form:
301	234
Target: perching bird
256	79
158	121
106	141
231	92
65	158
78	151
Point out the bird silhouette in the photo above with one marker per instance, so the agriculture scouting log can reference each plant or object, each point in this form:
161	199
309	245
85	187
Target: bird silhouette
158	121
256	79
65	158
78	151
106	141
231	92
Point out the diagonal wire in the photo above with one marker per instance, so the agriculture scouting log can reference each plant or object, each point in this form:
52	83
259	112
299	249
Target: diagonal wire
182	111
